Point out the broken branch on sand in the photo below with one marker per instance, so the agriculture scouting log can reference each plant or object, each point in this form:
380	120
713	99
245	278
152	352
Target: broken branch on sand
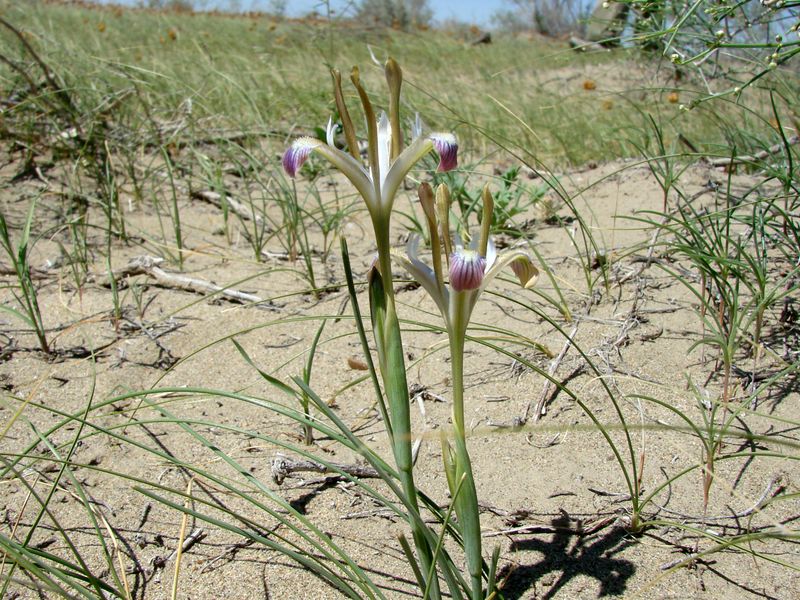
746	158
541	405
236	207
283	466
149	265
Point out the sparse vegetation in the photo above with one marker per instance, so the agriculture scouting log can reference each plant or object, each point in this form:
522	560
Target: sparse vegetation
220	378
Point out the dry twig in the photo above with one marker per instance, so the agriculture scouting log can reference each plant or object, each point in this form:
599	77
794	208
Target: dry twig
745	158
190	540
283	466
541	406
236	207
149	265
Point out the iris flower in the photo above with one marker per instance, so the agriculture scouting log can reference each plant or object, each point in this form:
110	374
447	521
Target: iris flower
388	162
471	268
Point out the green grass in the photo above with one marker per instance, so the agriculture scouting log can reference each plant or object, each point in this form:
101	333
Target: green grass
123	116
257	75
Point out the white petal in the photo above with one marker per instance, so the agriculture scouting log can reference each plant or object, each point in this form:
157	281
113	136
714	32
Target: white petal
423	274
412	247
416	127
384	145
491	253
372	56
330	132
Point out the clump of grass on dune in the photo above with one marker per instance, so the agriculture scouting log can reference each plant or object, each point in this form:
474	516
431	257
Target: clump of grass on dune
263	75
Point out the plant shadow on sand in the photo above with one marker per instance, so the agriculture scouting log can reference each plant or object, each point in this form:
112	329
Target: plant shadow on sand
567	559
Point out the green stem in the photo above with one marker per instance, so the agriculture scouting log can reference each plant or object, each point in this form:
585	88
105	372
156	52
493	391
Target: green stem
467	500
393	373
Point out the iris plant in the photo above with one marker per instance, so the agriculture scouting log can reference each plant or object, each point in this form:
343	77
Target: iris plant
470	270
377	181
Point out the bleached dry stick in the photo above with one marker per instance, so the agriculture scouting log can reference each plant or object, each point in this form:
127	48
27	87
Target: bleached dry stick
757	505
149	265
5	270
190	540
581	45
282	466
540	406
237	207
737	160
581	530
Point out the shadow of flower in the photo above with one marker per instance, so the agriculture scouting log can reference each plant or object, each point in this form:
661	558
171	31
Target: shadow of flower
568	556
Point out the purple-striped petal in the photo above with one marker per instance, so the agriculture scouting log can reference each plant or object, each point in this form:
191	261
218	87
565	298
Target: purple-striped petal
446	146
466	270
297	153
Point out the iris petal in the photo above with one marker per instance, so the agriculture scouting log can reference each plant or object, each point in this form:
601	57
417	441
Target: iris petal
520	263
491	253
297	153
447	147
384	145
422	274
330	132
466	270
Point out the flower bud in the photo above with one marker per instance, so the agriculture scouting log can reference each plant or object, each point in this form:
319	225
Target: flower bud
466	270
297	153
525	271
445	144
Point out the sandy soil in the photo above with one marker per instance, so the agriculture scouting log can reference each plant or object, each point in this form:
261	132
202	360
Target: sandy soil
554	498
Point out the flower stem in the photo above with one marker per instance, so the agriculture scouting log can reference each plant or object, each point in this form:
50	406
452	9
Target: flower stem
393	373
466	501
